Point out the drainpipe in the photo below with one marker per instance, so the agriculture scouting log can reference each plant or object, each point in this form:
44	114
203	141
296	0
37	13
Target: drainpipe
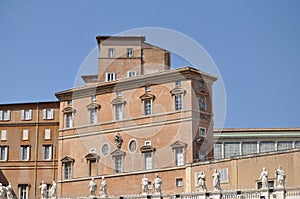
36	149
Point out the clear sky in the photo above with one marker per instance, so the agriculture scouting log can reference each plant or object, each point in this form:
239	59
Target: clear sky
255	44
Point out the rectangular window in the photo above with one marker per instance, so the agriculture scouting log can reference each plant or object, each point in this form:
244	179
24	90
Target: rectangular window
119	111
148	161
147	107
224	175
47	134
111	53
67	170
179	156
284	145
148	88
24	153
69	102
23	191
93	116
178	102
110	76
297	144
119	94
201	84
147	143
118	164
93	98
179	182
132	73
3	153
4	115
202	103
231	149
69	120
48	114
178	83
47	152
202	155
249	148
129	52
202	132
25	134
266	146
3	135
218	150
26	114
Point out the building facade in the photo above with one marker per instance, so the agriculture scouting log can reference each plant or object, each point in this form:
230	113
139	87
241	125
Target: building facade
28	145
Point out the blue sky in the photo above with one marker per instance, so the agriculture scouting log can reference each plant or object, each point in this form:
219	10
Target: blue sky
255	45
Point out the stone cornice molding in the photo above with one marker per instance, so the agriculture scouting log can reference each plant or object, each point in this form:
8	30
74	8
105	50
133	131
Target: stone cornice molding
178	144
118	152
146	96
68	110
147	149
118	101
67	159
178	91
93	105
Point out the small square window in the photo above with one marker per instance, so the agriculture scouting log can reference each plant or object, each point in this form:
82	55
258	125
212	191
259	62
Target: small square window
202	132
69	102
147	143
25	134
132	73
119	94
178	83
201	84
148	88
93	98
179	182
3	135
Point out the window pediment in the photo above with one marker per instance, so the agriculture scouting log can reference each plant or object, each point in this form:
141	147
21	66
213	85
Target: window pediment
118	101
178	91
147	96
93	106
67	159
178	144
69	110
118	152
146	149
92	156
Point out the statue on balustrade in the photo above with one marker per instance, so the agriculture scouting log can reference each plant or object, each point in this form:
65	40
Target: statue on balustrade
216	180
201	181
157	184
264	178
145	185
280	177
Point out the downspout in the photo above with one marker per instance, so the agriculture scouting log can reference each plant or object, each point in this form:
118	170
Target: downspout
36	149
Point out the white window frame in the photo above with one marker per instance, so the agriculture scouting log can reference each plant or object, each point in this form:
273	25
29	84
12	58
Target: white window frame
3	153
93	116
68	169
179	156
26	114
119	93
47	152
3	135
111	53
224	175
68	120
132	74
47	135
69	102
93	98
4	115
147	88
178	83
202	132
110	76
119	110
129	52
25	134
147	107
119	164
148	160
179	182
48	114
147	143
25	153
23	191
178	102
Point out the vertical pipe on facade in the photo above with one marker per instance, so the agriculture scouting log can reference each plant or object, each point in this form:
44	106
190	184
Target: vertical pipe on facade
53	162
36	149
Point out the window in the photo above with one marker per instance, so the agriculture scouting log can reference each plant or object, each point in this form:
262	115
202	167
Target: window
67	170
179	156
69	102
47	152
26	114
111	53
129	52
47	134
148	88
148	160
178	83
93	98
25	134
201	84
179	182
105	149
119	94
4	115
148	107
202	155
118	111
266	146
118	164
68	120
202	103
132	146
48	114
3	153
284	145
23	191
218	150
224	175
110	76
249	148
147	143
132	73
202	132
93	115
231	149
297	144
178	102
3	135
24	153
270	184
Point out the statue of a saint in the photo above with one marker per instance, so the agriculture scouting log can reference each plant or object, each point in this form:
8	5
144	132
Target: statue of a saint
145	185
216	180
201	181
103	188
2	191
53	192
43	188
157	184
264	178
92	187
118	140
9	194
280	177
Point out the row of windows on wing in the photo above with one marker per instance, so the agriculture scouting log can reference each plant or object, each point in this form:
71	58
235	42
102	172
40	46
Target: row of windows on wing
25	152
147	150
25	134
233	149
48	114
111	52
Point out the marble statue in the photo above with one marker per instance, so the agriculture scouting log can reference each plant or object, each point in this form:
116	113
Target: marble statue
103	188
157	184
216	180
201	181
264	178
93	187
145	185
280	177
118	140
2	191
9	194
43	188
53	192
